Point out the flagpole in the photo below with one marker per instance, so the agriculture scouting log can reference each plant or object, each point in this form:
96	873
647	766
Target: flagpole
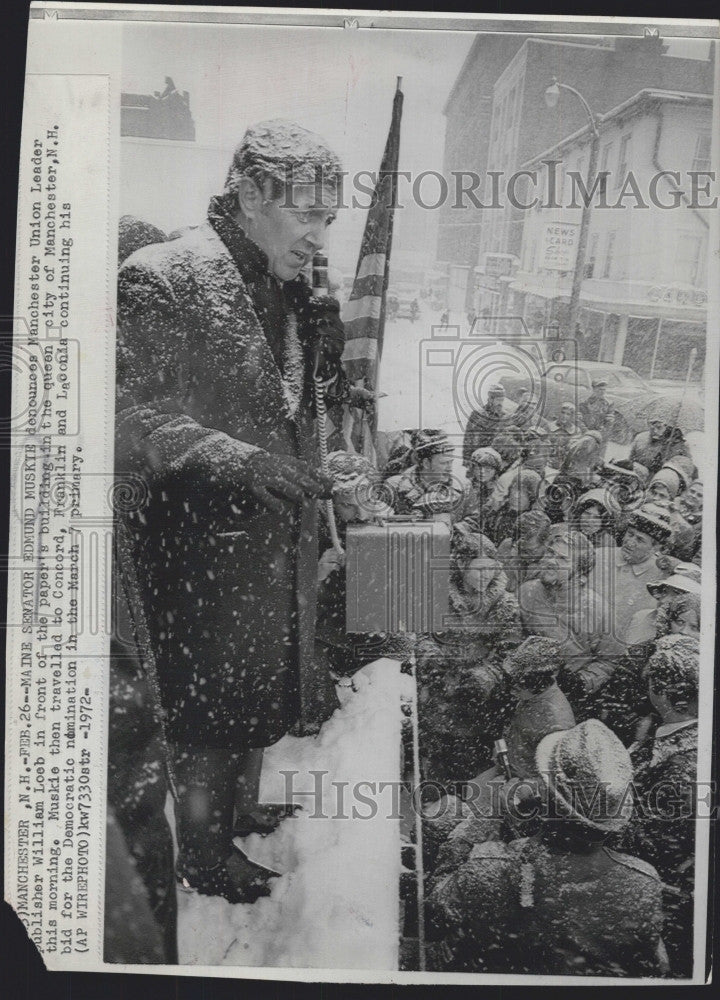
381	319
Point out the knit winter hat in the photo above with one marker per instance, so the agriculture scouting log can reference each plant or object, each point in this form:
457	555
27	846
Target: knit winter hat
468	545
496	389
537	653
532	522
599	497
349	471
653	520
529	481
487	456
426	443
668	478
684	467
589	774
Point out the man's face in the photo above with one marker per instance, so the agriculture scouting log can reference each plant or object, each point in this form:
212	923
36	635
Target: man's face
599	391
657	429
495	404
590	520
686	623
438	468
693	498
659	492
479	574
483	473
637	546
291	229
517	498
567	416
556	566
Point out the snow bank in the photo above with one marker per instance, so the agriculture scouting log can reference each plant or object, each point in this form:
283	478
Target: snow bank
336	906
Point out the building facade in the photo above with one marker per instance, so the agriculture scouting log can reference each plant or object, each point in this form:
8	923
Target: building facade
643	295
497	120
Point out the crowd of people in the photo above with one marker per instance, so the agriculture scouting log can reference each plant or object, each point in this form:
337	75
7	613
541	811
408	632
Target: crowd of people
572	635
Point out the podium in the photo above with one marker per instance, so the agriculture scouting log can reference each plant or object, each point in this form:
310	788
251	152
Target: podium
397	576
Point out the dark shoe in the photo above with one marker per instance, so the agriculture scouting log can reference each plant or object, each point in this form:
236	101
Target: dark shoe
263	819
238	879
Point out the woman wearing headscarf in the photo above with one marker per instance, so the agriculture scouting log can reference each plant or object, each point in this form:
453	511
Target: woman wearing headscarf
521	554
593	516
664	489
485	467
522	494
463	694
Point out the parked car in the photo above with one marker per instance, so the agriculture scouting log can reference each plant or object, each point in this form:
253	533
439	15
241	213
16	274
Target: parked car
631	396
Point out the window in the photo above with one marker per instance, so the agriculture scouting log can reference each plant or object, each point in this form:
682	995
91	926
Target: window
687	258
702	151
609	255
623	160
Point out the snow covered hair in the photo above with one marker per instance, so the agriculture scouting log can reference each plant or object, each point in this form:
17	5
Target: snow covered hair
284	153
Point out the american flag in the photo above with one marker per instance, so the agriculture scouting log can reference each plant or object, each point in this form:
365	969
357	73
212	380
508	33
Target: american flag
364	313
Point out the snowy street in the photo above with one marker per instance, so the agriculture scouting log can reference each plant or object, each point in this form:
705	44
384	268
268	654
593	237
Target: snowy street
433	378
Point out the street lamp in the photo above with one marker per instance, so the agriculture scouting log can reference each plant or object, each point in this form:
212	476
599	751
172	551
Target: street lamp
552	96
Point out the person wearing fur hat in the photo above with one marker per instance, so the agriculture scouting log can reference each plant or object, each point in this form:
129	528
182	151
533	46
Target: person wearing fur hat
663	831
558	902
427	487
561	605
463	694
521	554
632	567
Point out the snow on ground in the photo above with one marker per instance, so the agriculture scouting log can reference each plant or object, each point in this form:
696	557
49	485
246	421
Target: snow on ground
336	905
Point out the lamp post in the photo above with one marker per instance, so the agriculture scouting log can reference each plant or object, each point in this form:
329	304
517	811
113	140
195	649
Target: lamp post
552	96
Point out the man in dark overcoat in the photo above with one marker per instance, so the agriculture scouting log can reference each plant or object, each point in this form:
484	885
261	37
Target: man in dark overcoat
216	351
